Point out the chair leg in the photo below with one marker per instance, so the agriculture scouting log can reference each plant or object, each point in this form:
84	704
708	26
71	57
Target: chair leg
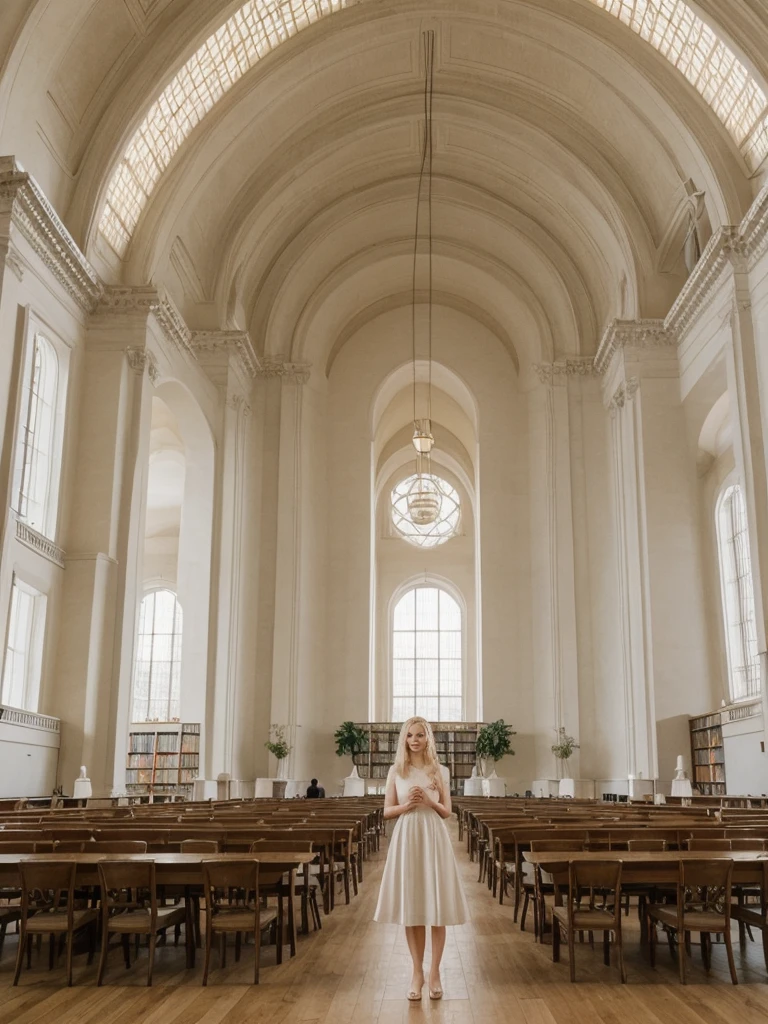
652	939
103	955
279	933
765	945
20	954
70	943
51	948
555	941
256	955
208	944
607	949
127	951
706	950
618	939
524	913
729	951
681	955
572	952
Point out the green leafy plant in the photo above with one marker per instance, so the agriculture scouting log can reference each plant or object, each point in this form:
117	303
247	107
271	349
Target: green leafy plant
565	746
493	741
350	739
277	743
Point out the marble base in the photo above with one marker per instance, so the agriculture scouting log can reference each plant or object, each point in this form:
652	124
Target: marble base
545	787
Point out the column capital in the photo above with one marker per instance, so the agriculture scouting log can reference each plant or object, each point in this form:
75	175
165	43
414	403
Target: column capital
637	334
126	303
623	394
24	204
235	346
141	359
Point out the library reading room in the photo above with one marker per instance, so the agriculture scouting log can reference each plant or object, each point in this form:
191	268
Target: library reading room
384	555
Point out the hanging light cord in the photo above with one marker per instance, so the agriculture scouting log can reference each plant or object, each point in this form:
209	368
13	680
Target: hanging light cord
428	49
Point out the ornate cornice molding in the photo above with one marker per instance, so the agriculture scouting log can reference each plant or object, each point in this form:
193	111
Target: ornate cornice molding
289	373
559	371
754	229
147	301
37	542
236	343
631	334
30	212
725	247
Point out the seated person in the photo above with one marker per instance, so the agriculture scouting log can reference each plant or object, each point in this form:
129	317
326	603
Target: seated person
314	792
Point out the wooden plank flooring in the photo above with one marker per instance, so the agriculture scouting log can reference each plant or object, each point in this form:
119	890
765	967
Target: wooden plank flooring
358	971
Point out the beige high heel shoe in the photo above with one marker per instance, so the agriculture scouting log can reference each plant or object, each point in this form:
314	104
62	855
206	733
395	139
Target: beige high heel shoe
415	996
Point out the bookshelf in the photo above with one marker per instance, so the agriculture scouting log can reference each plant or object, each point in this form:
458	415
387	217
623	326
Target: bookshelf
707	756
163	759
455	743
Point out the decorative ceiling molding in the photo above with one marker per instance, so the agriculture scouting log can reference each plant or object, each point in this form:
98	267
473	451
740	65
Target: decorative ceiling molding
148	301
631	334
23	200
558	372
237	343
289	373
141	359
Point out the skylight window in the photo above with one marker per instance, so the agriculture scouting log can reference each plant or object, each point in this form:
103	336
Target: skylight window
261	25
672	28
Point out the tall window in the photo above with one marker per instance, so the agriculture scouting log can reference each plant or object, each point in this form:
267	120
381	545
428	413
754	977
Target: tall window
156	681
738	595
24	648
427	662
34	459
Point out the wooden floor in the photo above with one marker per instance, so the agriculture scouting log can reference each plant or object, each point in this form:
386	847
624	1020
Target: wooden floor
358	971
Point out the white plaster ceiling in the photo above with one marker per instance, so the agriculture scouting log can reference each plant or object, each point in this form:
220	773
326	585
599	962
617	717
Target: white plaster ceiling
563	145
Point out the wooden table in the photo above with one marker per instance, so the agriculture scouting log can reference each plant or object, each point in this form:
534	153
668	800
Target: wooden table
182	869
653	866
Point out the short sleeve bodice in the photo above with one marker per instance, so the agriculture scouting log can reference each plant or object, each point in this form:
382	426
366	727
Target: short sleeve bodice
418	777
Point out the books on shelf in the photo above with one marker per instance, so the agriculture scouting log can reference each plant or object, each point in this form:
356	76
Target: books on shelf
455	743
162	758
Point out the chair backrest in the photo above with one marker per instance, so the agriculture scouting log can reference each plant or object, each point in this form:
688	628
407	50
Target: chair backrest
70	845
126	886
748	844
228	880
588	880
708	844
557	845
705	885
116	846
647	845
199	846
47	885
280	845
23	846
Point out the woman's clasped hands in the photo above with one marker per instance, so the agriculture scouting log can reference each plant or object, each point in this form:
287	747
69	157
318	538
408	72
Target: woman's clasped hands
416	797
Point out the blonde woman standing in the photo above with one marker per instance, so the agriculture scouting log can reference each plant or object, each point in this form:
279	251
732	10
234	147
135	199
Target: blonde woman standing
421	886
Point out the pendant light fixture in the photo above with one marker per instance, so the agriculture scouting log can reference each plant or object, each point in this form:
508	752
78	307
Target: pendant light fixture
424	496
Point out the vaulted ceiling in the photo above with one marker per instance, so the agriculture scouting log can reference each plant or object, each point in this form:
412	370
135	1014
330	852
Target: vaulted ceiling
566	147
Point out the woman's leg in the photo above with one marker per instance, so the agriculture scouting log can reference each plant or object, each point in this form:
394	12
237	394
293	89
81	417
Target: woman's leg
416	937
438	945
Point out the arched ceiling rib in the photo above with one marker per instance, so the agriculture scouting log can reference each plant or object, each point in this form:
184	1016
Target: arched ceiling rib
260	26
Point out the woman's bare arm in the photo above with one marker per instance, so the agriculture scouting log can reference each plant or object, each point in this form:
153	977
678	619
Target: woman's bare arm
393	809
444	807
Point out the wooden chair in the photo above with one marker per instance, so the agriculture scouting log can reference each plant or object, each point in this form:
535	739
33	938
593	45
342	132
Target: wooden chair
755	915
306	889
592	879
117	846
48	908
232	897
707	845
703	905
129	906
209	846
537	887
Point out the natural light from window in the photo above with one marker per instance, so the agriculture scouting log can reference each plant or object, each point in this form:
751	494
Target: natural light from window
259	26
157	676
738	595
426	656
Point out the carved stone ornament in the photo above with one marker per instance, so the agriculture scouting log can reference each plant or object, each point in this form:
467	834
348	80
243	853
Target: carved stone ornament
632	334
754	229
289	373
34	217
14	262
550	373
624	393
141	359
238	403
236	342
725	248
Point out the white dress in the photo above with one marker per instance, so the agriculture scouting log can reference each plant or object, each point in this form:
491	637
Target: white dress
421	884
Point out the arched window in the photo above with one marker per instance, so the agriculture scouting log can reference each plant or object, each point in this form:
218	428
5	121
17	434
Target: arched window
738	595
426	656
156	680
33	464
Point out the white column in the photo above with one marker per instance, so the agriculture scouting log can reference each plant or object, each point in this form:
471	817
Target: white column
556	684
104	544
750	454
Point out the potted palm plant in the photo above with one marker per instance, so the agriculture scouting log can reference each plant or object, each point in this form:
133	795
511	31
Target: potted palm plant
279	746
350	740
493	741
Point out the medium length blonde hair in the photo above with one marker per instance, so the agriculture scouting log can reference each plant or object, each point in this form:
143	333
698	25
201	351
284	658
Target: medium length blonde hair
403	756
